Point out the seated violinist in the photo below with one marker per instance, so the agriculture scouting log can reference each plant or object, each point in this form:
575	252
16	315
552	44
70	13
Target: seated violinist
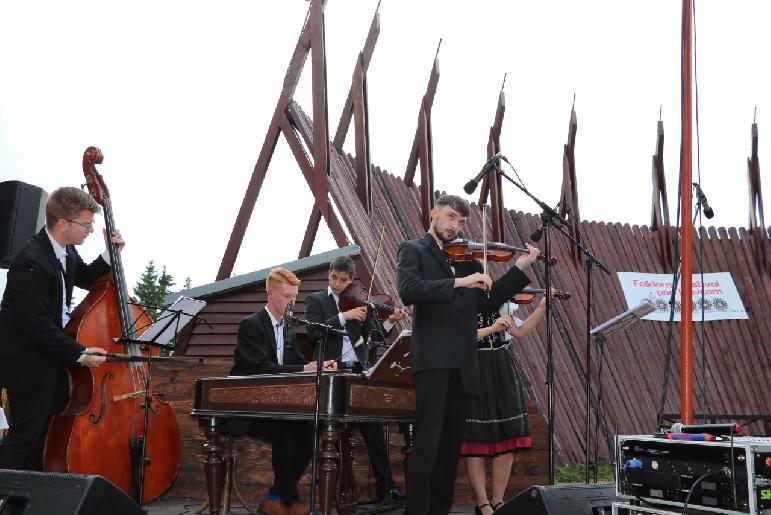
352	351
264	348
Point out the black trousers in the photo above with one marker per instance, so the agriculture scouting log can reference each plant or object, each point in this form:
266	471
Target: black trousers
29	415
292	449
377	451
440	420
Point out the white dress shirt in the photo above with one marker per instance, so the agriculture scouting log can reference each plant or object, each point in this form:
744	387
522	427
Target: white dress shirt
61	255
348	352
278	332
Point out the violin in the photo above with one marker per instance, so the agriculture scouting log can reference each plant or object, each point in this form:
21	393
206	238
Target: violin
464	250
355	296
527	295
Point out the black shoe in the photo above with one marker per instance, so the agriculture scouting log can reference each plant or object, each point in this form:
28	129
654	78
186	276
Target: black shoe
478	509
392	494
495	508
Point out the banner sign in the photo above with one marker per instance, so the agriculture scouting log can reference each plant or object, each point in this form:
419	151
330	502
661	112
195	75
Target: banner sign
721	299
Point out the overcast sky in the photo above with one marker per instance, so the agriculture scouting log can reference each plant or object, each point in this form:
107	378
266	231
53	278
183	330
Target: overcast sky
179	95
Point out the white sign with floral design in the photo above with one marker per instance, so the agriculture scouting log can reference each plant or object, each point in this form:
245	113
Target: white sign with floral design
721	300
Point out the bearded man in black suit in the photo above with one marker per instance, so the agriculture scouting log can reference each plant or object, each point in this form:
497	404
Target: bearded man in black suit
446	298
352	351
34	350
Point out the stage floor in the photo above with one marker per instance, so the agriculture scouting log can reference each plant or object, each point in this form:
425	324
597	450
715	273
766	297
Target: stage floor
180	505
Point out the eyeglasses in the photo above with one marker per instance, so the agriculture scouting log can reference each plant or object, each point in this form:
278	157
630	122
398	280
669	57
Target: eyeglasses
84	225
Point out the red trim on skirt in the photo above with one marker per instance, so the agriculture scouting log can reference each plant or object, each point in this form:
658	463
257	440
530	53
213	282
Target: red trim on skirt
493	449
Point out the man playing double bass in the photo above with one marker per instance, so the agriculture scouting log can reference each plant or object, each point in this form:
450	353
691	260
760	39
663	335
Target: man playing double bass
446	298
34	350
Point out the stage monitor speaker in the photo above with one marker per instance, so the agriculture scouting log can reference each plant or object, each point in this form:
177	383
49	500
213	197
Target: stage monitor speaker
564	499
22	214
49	493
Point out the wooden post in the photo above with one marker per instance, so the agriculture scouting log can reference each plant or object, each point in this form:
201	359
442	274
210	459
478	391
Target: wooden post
494	186
660	206
569	196
757	226
686	228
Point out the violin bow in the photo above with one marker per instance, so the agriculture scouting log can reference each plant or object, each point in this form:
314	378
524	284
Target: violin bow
374	265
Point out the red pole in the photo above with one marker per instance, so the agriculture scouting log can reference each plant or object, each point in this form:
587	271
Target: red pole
686	227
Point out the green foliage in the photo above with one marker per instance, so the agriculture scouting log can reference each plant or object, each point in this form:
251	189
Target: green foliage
188	283
576	473
152	288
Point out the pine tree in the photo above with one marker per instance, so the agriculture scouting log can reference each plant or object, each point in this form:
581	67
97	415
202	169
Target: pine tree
146	290
152	288
188	283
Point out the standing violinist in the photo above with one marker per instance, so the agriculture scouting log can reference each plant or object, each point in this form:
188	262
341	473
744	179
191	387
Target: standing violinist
352	351
446	297
34	349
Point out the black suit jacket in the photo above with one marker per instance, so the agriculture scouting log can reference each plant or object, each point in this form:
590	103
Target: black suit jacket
444	318
321	308
33	346
256	349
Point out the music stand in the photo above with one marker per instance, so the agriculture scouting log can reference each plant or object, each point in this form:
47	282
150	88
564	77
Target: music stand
159	334
395	365
601	333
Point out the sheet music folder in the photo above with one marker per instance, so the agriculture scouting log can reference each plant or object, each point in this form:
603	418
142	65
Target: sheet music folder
395	365
623	320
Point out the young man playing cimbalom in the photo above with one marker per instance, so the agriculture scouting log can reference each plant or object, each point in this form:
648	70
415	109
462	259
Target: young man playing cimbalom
352	351
264	348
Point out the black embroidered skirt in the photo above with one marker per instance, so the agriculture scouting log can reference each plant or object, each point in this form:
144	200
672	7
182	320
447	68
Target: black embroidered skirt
497	419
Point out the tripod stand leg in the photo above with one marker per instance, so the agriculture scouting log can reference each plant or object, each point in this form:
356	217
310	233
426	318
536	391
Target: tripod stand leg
239	495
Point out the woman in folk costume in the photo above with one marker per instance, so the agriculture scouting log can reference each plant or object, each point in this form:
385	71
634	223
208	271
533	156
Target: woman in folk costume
497	424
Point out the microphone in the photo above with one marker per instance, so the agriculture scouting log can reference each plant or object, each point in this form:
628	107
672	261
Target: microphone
701	198
492	162
288	334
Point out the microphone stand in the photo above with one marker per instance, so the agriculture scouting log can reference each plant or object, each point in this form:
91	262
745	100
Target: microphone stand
317	407
551	218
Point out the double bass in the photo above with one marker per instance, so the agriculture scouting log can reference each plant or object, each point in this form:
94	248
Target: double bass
104	429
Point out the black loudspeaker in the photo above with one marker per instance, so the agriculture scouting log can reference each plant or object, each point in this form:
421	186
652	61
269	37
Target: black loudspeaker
564	499
22	214
49	493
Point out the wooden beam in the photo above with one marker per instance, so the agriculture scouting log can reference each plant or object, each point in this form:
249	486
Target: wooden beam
660	206
365	56
291	79
569	194
426	105
363	161
757	225
310	233
290	133
320	118
426	153
492	181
